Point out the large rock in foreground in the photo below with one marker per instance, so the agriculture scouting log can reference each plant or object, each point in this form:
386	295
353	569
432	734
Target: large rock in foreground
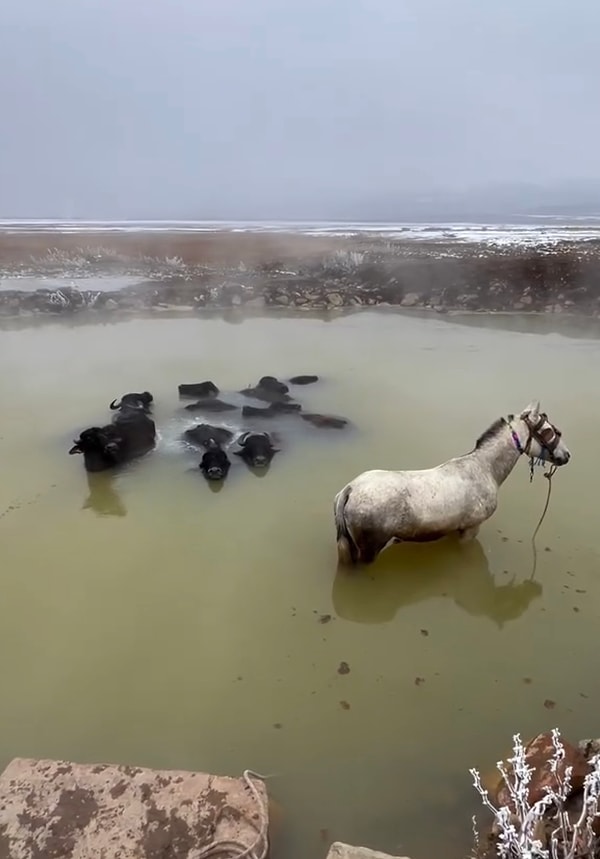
339	850
79	811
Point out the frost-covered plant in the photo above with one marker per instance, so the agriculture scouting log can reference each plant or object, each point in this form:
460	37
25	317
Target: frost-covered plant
348	260
520	824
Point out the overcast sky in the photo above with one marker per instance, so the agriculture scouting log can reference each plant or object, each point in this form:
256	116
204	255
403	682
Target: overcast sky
235	108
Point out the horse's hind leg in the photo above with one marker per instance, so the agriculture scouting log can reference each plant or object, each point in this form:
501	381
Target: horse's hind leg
465	535
370	544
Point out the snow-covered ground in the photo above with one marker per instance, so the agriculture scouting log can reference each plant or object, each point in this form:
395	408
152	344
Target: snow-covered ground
494	234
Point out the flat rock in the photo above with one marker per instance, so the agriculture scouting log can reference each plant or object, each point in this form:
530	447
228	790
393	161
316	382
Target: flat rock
79	811
339	850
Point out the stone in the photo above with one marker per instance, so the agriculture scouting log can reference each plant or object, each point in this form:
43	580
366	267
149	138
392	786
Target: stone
282	298
59	808
339	850
335	299
411	299
538	754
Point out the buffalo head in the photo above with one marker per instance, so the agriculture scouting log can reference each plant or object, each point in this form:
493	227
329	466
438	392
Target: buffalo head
100	448
270	383
215	463
257	449
141	401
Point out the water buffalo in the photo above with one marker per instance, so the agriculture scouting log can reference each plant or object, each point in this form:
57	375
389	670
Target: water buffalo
215	463
132	433
200	389
257	449
211	405
271	410
303	380
270	383
268	389
202	434
324	421
137	401
256	412
285	408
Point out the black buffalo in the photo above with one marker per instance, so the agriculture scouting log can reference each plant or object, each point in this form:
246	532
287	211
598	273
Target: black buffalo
215	463
257	412
211	405
257	449
132	433
137	401
324	421
202	434
285	408
271	410
269	389
270	383
200	389
303	380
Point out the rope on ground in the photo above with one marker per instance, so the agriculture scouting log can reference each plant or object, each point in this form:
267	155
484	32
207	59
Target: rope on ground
548	475
236	850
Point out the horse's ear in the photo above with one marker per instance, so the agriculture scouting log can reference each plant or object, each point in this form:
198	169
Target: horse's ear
532	411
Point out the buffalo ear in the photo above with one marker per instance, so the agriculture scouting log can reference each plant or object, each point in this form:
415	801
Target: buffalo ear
276	449
238	452
75	449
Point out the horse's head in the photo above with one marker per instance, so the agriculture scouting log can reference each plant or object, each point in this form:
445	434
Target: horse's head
544	438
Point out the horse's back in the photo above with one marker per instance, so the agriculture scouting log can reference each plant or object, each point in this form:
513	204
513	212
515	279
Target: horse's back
432	501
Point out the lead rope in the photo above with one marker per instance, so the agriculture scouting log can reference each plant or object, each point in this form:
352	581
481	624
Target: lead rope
236	850
548	475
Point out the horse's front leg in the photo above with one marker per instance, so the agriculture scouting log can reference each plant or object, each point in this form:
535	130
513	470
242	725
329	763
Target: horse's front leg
467	534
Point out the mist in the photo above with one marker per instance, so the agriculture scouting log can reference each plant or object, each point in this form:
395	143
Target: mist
331	109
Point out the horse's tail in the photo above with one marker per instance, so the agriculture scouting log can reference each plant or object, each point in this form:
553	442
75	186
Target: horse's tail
347	549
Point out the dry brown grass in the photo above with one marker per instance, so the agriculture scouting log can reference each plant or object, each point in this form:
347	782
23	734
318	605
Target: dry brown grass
210	249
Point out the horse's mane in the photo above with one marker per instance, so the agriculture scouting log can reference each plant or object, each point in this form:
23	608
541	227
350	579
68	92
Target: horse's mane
492	431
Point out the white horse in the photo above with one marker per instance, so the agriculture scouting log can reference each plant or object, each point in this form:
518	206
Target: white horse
382	507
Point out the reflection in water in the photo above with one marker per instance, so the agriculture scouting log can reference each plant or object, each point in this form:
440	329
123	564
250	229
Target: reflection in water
103	498
409	574
259	472
215	485
577	327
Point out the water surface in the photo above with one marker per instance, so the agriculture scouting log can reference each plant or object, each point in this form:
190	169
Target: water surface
148	619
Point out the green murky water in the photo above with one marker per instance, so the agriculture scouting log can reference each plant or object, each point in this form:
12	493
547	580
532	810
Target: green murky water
148	619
